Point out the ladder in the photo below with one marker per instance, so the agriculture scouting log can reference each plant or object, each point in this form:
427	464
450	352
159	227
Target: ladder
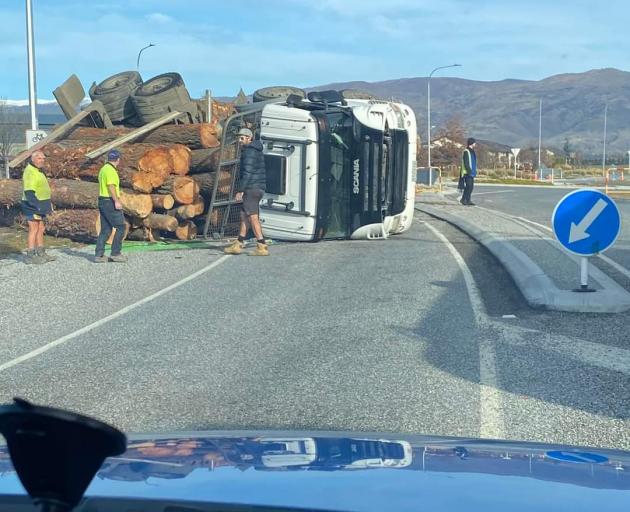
223	217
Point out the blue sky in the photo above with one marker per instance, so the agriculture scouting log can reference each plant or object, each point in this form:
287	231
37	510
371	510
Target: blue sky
225	45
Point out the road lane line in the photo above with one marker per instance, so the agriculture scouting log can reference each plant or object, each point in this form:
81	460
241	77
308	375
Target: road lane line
492	423
495	192
619	268
109	318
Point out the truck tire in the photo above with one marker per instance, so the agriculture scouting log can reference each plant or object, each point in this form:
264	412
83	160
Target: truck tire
160	95
115	94
278	92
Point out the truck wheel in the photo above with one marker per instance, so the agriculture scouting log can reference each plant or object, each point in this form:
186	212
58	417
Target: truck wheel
278	92
160	95
115	94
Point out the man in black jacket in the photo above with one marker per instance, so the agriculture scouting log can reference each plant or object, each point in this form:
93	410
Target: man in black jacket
250	188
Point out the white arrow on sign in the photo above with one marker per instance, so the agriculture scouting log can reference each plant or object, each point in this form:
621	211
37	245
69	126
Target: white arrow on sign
578	231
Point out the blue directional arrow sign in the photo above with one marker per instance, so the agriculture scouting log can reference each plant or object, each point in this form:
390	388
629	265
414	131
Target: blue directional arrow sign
586	222
577	457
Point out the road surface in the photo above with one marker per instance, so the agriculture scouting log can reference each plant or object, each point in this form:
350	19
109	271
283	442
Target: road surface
403	335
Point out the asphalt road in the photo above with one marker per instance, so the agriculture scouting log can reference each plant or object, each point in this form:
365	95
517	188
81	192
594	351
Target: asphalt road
537	204
390	336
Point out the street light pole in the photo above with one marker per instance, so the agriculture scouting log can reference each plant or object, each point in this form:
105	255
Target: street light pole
429	118
605	127
30	50
140	53
540	138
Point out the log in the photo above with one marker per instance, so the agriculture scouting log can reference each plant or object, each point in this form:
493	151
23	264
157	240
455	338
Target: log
80	225
184	189
206	182
73	194
204	160
137	205
181	159
188	211
141	234
111	237
69	161
194	136
97	135
162	201
161	222
187	230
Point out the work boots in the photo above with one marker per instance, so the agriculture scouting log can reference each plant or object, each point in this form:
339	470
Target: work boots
33	258
47	257
235	247
261	250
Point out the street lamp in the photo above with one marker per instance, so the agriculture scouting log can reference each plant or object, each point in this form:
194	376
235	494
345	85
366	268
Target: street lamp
605	126
30	50
429	117
140	53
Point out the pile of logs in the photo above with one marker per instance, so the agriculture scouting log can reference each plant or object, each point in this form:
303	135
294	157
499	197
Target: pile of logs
166	180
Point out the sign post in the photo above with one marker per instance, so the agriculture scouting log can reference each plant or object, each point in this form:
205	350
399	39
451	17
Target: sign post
586	222
515	152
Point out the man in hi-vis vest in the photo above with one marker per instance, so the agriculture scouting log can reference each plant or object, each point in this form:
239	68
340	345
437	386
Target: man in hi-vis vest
468	171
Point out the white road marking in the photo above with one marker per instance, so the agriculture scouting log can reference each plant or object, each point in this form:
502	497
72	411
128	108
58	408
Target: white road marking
619	268
495	192
109	318
492	424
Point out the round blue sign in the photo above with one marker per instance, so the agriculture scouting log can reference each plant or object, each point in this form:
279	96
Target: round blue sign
586	222
577	457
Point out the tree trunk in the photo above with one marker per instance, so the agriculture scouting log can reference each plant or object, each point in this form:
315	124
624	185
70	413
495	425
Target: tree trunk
195	136
158	161
161	222
184	189
162	201
204	160
73	194
80	225
206	182
187	230
189	211
141	234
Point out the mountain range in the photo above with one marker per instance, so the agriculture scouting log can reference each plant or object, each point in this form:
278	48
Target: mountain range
507	111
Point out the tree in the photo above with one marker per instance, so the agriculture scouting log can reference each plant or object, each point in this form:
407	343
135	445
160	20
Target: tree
11	129
447	147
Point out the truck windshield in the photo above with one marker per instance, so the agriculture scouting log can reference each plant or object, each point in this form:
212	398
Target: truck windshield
341	143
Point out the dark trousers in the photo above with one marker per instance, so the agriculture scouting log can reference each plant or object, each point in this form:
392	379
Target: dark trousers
469	184
110	218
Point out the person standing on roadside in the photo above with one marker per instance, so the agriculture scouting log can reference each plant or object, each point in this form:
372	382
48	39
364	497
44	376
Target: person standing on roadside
110	209
468	171
36	204
250	189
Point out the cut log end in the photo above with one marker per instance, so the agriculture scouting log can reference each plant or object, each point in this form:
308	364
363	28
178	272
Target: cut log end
186	231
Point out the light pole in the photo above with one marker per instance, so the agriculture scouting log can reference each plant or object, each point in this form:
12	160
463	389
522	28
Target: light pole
30	50
605	126
140	53
429	117
540	138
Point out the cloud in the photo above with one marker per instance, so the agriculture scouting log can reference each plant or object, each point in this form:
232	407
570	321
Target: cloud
158	17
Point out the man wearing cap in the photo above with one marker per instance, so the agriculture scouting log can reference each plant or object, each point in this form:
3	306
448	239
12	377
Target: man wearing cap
36	204
468	171
110	208
250	189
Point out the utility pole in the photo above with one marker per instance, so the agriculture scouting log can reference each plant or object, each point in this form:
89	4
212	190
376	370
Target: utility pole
30	50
